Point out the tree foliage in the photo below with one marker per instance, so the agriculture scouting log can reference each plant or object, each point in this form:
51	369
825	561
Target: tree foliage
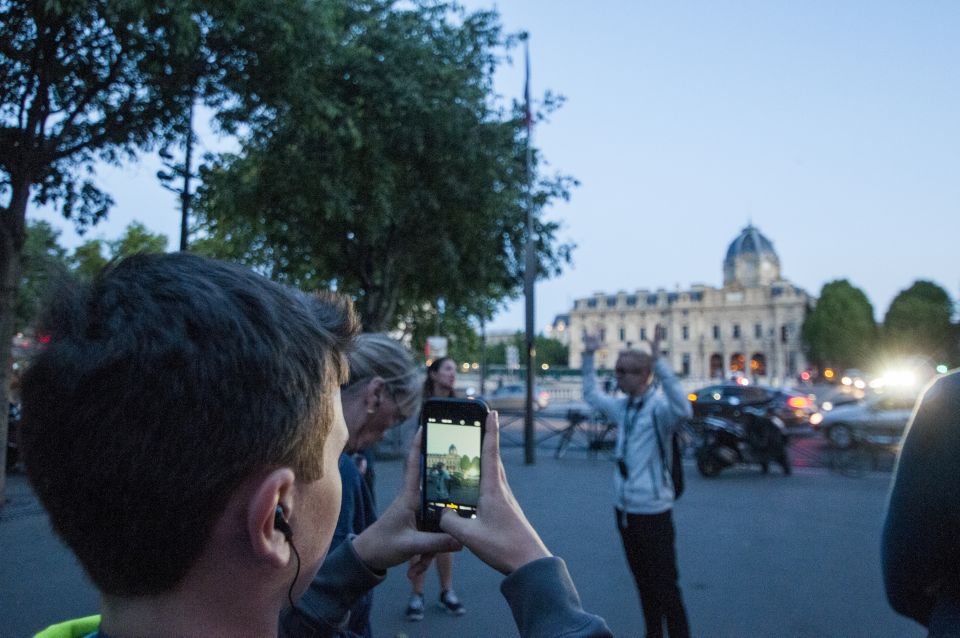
549	351
88	80
43	261
840	331
393	174
92	255
918	322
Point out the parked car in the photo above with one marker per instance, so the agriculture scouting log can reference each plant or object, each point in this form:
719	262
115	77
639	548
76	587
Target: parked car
879	419
514	396
797	410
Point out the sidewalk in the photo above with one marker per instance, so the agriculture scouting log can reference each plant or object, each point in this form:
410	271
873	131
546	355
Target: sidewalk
759	556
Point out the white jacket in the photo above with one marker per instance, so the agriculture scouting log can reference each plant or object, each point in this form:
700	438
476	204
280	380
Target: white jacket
648	488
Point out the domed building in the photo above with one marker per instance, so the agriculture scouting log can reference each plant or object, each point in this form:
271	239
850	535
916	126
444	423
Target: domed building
750	326
751	260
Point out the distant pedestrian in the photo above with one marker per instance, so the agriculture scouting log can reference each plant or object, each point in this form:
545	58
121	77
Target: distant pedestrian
921	565
647	419
441	481
440	381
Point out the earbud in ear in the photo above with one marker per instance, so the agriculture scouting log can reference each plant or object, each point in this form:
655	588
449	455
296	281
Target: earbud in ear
281	524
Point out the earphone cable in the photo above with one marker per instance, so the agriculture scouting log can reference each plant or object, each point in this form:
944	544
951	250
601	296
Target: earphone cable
295	577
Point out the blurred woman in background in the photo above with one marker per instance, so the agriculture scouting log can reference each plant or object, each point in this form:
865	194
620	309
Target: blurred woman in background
440	381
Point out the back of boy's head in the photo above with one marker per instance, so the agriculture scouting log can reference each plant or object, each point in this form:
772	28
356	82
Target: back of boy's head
168	382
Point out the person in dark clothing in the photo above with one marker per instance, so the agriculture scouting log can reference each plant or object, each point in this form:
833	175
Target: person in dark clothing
921	564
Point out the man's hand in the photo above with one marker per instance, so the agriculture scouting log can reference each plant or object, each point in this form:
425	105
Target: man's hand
500	535
394	538
590	343
655	343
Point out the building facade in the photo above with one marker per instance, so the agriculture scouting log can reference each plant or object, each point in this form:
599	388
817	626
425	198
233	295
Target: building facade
750	326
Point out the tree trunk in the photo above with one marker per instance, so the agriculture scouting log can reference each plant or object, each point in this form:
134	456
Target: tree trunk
379	309
12	236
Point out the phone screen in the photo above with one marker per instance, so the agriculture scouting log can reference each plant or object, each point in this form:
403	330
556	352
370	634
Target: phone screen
453	432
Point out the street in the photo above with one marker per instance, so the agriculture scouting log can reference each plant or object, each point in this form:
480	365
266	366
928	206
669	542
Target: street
759	556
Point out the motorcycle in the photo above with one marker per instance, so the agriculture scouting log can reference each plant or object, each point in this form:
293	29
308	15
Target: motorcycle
760	439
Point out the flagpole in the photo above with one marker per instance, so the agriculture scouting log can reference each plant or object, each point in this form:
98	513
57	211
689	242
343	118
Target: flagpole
530	267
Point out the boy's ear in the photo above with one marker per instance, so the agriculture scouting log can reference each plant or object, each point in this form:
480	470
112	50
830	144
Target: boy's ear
269	542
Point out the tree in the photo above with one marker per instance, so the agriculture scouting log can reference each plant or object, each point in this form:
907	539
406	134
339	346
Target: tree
549	351
79	80
43	260
90	257
240	54
137	239
393	176
88	80
918	322
840	331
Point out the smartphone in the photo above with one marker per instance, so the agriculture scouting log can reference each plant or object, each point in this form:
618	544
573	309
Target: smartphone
453	431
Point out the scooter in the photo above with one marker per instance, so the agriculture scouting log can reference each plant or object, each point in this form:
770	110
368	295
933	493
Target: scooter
760	439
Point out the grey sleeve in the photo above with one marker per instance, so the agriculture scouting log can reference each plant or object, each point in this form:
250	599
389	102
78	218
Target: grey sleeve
591	393
677	406
324	608
545	602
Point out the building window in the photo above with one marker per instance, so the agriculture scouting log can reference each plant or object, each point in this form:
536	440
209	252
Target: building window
737	361
716	332
663	333
623	334
716	366
686	332
685	363
643	334
758	331
758	364
784	333
736	331
603	335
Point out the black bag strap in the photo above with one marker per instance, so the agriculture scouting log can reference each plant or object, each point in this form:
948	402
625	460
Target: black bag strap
674	468
656	432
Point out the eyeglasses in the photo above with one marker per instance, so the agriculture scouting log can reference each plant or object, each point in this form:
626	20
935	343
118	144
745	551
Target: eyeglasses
399	414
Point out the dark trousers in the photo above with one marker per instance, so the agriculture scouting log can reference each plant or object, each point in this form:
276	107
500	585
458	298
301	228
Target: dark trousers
648	544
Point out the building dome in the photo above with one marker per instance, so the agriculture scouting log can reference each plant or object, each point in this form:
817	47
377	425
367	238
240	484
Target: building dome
751	261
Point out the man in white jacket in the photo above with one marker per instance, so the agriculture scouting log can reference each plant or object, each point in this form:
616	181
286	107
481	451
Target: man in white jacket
644	492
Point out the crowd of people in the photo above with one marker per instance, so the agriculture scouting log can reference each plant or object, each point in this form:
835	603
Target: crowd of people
200	438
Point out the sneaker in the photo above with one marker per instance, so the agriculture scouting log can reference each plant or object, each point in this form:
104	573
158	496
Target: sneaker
450	603
415	607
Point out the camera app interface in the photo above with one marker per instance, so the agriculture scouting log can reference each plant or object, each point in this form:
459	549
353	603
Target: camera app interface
453	465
